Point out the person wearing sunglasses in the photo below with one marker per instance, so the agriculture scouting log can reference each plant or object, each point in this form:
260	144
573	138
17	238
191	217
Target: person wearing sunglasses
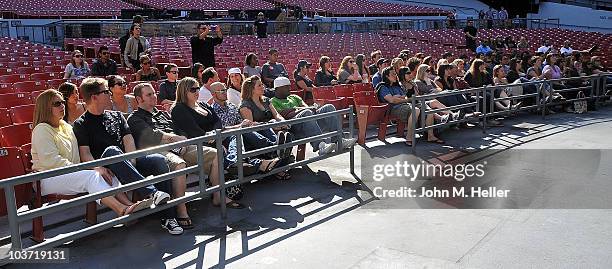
77	68
121	101
147	72
203	46
167	89
54	145
193	118
152	127
104	65
103	133
348	72
135	47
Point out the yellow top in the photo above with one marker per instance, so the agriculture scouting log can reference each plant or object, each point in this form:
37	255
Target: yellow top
54	147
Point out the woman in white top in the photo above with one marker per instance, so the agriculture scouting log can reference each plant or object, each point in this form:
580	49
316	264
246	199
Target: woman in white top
77	68
54	145
234	85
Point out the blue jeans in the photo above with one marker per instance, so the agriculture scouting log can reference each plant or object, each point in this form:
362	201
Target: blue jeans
153	164
259	139
313	128
231	154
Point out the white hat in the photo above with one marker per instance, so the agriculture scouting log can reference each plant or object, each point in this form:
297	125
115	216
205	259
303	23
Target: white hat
234	70
281	81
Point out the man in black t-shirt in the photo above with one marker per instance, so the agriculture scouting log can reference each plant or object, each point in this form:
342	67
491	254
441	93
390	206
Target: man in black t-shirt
102	133
470	35
203	46
261	26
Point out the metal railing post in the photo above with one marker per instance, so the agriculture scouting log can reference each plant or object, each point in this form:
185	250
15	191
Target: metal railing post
414	118
11	207
221	168
351	133
240	161
339	132
484	109
201	180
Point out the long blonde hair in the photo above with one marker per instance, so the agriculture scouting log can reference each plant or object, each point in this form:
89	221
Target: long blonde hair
421	73
248	86
42	109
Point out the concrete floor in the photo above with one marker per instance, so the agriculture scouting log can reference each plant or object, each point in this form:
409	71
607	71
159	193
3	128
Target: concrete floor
323	218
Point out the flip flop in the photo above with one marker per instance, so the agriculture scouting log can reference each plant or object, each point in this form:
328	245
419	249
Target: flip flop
144	204
271	165
188	225
285	176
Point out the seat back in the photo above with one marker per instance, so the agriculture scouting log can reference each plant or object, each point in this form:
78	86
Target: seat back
363	87
22	114
16	135
326	93
344	90
11	165
366	98
30	86
5	118
14	99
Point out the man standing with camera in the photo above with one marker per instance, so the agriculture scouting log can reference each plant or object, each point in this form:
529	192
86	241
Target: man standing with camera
203	46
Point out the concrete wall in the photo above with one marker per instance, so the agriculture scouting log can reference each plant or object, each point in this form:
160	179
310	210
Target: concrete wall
597	20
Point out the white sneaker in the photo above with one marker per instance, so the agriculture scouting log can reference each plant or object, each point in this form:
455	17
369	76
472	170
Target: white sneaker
325	148
172	226
160	197
347	143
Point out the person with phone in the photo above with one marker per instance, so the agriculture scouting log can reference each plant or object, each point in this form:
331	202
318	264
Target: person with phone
203	46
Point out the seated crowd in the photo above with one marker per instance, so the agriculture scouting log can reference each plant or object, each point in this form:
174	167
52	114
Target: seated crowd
112	122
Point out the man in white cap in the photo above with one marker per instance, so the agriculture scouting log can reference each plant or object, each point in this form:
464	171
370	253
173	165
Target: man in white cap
292	106
233	95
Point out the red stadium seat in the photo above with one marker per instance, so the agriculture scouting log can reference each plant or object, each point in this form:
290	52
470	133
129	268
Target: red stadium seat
371	112
14	99
6	88
345	91
54	69
5	117
42	76
13	78
11	165
55	83
22	114
30	86
326	95
35	94
16	135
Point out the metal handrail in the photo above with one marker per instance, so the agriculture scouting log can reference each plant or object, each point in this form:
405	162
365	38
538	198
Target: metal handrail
14	218
481	91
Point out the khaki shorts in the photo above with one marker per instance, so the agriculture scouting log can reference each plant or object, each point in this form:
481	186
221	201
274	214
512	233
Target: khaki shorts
189	157
401	111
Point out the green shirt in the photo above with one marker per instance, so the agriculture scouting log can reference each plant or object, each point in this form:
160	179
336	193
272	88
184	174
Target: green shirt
292	101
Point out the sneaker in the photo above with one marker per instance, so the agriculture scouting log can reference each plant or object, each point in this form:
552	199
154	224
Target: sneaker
172	226
160	197
444	118
347	143
325	148
279	141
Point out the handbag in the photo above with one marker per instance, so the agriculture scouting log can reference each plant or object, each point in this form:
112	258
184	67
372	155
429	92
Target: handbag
580	106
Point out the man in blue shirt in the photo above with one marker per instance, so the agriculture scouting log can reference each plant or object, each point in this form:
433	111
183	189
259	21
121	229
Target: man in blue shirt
380	64
484	48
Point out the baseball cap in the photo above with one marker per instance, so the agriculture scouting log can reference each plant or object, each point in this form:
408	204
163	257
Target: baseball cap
382	60
234	70
281	81
303	63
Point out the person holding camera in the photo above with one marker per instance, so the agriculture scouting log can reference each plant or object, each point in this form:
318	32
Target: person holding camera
203	46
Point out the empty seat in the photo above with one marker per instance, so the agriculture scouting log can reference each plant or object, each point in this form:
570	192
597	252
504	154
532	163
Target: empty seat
30	86
5	117
22	114
371	112
14	99
11	165
16	135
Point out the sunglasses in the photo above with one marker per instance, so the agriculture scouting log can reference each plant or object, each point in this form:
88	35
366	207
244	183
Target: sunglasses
57	103
221	91
109	92
351	61
146	63
194	89
120	83
78	56
173	72
104	53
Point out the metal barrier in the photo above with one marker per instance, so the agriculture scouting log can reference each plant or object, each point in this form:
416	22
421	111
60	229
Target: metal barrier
598	86
15	218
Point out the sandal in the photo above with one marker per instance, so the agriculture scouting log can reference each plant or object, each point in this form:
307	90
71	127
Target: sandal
144	204
185	223
271	165
408	143
232	205
283	176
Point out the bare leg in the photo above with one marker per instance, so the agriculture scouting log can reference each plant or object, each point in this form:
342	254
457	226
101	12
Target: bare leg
179	184
122	197
214	180
410	131
429	120
113	204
